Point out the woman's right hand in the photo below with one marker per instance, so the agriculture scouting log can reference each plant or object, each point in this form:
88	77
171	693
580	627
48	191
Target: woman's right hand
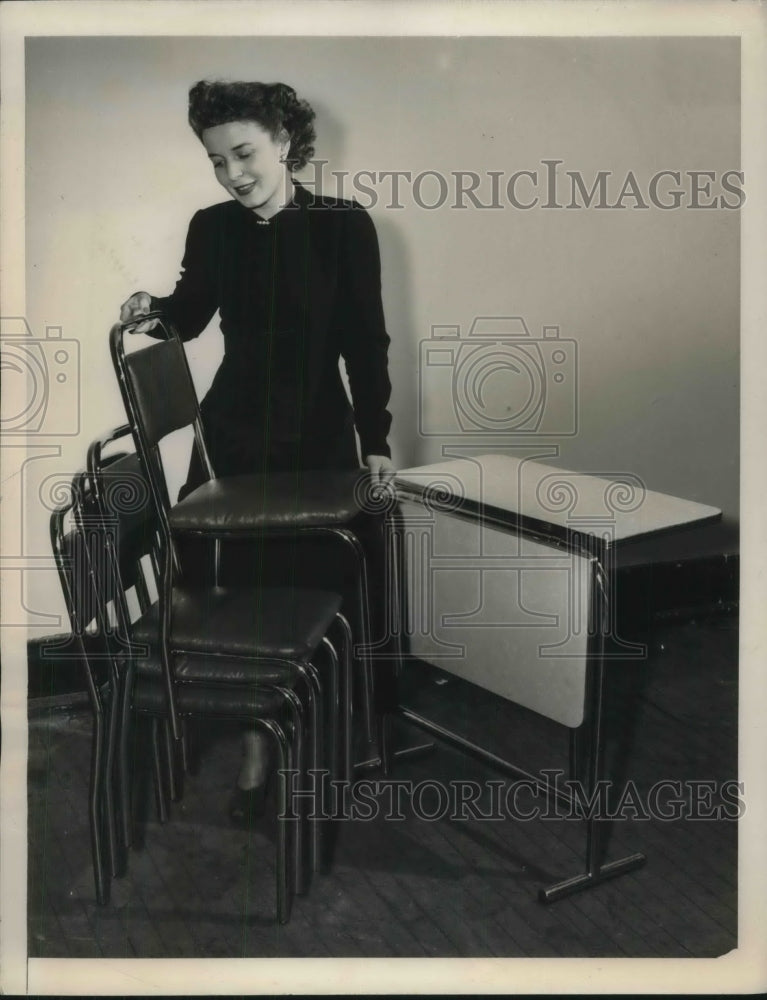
139	304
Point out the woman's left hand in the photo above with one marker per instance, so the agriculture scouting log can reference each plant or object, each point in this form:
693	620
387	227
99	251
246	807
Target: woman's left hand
380	468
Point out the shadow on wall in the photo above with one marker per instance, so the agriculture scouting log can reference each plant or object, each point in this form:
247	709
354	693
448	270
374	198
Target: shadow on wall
396	276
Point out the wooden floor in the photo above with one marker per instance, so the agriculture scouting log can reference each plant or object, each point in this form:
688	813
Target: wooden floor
413	887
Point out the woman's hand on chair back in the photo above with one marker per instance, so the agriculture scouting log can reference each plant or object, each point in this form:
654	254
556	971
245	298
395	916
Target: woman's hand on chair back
139	304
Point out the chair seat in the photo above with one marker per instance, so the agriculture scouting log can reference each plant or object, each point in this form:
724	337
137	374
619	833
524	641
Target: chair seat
207	668
252	503
233	703
271	622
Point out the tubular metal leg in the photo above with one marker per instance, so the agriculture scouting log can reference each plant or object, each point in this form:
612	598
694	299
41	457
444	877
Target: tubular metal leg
573	758
159	786
368	686
123	763
353	543
386	756
110	809
333	718
169	746
186	757
285	761
348	699
384	741
596	872
95	810
296	711
317	709
589	879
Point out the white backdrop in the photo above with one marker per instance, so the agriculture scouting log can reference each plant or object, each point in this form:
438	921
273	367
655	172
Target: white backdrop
650	297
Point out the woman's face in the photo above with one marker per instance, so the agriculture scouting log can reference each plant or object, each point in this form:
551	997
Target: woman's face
246	161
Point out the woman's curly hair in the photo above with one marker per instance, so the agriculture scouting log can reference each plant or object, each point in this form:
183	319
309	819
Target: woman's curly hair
273	106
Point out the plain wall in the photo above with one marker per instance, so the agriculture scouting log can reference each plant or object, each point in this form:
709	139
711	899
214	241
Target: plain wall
650	297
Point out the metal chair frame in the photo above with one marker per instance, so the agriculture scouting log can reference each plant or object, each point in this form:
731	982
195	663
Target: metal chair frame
305	671
102	564
149	454
102	694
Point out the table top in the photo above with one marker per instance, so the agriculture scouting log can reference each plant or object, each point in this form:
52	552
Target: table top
527	494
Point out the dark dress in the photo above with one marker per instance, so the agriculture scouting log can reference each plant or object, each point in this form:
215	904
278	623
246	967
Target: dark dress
294	295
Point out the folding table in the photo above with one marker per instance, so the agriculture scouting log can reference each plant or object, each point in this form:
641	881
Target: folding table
507	575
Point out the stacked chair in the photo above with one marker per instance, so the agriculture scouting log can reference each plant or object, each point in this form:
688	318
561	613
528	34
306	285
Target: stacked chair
160	399
279	658
76	546
256	673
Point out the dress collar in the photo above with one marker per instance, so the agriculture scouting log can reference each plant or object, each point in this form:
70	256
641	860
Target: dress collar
299	199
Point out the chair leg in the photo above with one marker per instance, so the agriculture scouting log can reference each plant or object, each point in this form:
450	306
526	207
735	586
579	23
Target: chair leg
339	744
159	787
333	716
113	846
384	742
186	752
368	711
363	615
394	597
317	782
95	810
347	696
296	712
124	777
285	760
169	747
393	617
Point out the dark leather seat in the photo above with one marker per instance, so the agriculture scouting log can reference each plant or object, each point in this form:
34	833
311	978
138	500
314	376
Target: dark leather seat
211	702
277	500
277	622
222	669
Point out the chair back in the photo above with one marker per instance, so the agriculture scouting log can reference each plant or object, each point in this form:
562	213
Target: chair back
137	546
123	499
77	547
159	397
162	389
73	565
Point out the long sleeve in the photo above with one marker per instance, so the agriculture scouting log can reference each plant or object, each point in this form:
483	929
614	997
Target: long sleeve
364	340
194	300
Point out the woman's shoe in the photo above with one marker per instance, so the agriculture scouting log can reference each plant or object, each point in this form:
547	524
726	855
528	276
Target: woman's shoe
248	804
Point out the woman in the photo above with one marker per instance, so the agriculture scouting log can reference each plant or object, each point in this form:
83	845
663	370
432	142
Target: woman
296	280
